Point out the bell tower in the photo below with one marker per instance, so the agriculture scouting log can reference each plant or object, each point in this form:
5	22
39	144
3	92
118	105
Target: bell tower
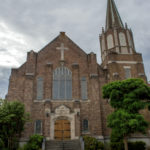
118	52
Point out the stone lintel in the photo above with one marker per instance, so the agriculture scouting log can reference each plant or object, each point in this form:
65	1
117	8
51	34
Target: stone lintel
115	74
29	74
49	64
75	65
141	74
93	75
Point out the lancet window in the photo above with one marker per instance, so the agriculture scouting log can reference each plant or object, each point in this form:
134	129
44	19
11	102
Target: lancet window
38	127
62	84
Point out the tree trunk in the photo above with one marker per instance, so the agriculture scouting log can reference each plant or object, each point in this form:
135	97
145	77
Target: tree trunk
125	140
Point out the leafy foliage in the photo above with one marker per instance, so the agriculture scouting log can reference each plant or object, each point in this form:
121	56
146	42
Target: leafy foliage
1	144
116	141
34	143
138	145
92	143
126	123
127	94
12	120
127	98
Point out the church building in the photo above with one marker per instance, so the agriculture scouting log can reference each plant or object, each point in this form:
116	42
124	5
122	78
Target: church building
61	85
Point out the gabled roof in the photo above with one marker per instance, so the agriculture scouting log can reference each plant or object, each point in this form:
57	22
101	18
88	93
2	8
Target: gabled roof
113	19
62	37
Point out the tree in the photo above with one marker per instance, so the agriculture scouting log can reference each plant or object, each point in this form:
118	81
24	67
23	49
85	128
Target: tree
34	143
12	121
127	97
1	101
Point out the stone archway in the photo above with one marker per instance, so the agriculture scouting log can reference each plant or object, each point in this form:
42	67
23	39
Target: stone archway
62	113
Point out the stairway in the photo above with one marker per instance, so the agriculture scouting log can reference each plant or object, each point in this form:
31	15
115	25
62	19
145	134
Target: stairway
63	145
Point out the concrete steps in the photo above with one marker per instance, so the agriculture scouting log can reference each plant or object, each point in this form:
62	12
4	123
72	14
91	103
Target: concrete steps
63	145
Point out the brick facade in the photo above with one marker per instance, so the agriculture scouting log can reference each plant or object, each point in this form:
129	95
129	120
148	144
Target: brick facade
115	57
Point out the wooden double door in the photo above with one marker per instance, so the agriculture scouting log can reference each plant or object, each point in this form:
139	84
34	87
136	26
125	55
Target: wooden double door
62	130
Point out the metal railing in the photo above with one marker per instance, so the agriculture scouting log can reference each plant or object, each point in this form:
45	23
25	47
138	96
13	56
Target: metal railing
82	143
43	144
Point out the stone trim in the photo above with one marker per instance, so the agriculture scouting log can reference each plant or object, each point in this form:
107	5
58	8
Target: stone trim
125	62
49	64
141	74
86	132
63	112
40	101
115	74
93	75
127	67
29	74
62	101
75	65
99	137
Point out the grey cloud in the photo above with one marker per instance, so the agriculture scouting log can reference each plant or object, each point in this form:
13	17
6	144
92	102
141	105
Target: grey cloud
4	79
3	50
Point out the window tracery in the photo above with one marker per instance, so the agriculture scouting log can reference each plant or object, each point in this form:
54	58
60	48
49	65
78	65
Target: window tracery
62	84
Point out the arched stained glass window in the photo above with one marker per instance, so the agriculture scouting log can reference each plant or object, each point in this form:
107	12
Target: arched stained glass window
85	125
38	127
62	84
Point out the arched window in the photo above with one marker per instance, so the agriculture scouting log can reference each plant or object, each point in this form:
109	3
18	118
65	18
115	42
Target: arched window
122	39
85	125
38	127
62	83
110	42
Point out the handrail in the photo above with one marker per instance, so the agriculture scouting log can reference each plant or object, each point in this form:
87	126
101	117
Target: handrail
82	143
63	147
43	144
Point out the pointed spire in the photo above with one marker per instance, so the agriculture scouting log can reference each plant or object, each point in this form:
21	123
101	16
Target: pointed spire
113	19
126	25
102	29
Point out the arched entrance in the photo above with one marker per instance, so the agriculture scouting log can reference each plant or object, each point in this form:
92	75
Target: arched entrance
62	130
62	112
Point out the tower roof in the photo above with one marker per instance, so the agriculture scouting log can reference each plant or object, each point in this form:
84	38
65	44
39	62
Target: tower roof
113	19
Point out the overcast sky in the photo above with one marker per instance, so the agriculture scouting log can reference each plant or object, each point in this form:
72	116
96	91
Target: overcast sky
31	24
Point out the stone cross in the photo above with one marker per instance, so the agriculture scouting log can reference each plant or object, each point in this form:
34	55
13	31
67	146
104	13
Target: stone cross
62	48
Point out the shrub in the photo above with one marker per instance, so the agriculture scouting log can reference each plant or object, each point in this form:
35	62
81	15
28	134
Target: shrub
107	146
21	148
1	144
117	146
92	143
34	143
139	145
116	141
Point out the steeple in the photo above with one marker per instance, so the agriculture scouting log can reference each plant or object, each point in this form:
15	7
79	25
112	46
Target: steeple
116	38
113	19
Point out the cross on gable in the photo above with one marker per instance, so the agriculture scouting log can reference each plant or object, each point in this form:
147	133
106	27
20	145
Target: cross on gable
62	48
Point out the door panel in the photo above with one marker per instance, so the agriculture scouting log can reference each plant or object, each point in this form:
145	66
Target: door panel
62	130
